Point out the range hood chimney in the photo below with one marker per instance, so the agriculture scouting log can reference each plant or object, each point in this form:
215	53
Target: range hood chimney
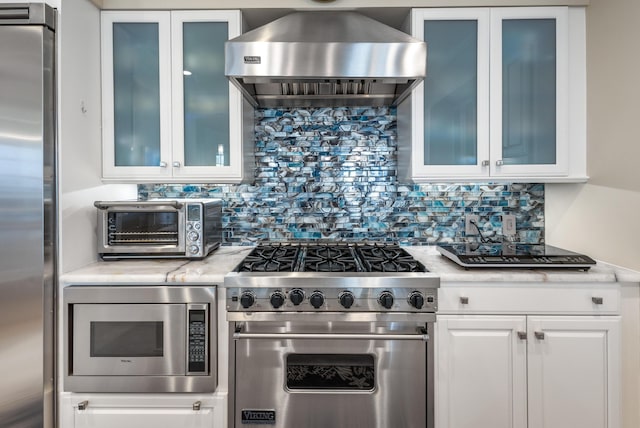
325	59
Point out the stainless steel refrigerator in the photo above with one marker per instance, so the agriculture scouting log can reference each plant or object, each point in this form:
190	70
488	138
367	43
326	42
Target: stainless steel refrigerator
28	239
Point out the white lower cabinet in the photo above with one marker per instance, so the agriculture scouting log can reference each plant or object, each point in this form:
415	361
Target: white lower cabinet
574	372
528	371
137	411
482	372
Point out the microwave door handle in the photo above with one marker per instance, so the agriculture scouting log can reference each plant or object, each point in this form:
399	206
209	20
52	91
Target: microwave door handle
103	205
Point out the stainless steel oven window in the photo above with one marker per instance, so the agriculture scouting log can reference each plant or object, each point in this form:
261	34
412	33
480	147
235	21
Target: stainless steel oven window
143	228
127	339
338	372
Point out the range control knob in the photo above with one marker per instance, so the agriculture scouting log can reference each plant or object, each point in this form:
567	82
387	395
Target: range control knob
296	296
247	299
416	299
346	299
276	299
386	299
316	299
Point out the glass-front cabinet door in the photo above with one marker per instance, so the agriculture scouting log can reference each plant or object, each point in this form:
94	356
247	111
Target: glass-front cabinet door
529	91
203	97
136	93
169	112
454	97
495	101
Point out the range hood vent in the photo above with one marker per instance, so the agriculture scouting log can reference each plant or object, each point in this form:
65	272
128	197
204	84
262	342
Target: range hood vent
325	59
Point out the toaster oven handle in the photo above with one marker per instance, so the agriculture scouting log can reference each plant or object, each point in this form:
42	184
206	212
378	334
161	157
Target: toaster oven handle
103	205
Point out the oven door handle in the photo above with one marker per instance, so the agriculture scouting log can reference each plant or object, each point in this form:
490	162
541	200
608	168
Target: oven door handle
422	335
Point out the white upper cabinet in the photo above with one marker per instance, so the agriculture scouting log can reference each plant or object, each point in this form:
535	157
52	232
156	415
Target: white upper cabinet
169	112
498	101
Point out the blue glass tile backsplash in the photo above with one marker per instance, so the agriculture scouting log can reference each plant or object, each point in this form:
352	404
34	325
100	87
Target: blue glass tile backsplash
330	173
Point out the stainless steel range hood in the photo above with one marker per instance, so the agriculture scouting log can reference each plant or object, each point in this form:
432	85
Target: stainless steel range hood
324	59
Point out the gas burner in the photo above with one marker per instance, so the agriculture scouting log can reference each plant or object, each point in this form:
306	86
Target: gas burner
329	258
271	258
388	258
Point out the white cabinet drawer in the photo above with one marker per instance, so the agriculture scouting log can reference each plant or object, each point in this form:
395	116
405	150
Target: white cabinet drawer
534	299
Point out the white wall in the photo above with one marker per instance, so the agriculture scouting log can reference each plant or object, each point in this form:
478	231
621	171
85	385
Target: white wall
79	134
600	217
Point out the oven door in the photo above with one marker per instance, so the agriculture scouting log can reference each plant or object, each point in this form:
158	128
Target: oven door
148	227
128	339
332	374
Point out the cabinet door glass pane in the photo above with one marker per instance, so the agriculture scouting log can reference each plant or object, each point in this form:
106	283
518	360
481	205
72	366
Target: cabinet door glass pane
450	93
529	91
136	94
206	94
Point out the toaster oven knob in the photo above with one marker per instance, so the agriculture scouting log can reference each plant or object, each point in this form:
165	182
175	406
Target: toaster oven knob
194	249
346	299
296	296
416	300
276	299
193	236
316	299
247	299
386	299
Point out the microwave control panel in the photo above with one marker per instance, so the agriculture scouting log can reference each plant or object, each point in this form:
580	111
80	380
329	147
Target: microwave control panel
198	355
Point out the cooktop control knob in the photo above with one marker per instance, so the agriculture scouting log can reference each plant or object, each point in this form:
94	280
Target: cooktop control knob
247	299
416	300
276	299
386	299
346	299
296	296
316	299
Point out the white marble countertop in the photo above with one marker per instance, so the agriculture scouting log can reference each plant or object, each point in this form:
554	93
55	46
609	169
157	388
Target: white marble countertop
212	270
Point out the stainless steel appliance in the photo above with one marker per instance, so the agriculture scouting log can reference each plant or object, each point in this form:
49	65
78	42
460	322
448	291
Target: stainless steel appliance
140	338
492	255
28	239
331	335
160	228
325	58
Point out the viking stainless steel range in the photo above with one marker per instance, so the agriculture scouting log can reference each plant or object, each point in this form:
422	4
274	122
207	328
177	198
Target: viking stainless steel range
331	335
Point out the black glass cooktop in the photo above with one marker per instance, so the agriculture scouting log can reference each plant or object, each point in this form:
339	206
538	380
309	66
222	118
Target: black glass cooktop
514	255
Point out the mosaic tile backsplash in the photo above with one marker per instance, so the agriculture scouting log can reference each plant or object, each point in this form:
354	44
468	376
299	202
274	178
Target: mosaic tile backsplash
330	174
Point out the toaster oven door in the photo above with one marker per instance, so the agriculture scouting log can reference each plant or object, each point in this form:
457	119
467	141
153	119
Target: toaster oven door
146	229
129	339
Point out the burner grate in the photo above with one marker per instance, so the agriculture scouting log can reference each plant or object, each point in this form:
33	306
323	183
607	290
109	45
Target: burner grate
329	258
388	258
271	258
334	257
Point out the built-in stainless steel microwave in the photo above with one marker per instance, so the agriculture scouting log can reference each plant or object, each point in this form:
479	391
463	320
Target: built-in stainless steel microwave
160	228
140	338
